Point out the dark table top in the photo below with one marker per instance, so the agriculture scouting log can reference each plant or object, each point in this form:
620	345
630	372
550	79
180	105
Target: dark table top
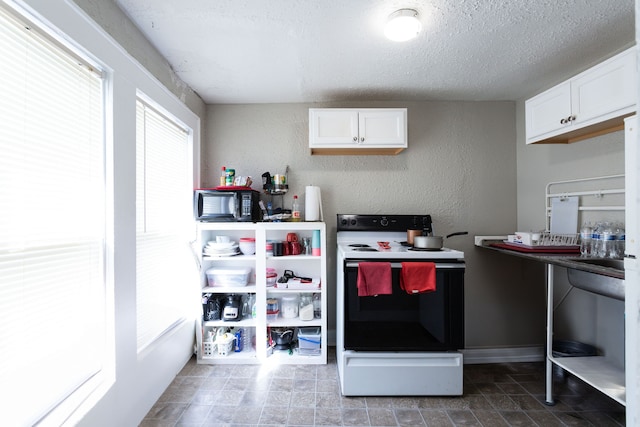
562	260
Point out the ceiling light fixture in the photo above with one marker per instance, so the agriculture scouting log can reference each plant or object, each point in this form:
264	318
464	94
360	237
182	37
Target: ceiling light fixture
403	25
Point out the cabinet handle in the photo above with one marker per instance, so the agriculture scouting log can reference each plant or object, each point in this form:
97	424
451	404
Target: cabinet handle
566	120
362	139
355	139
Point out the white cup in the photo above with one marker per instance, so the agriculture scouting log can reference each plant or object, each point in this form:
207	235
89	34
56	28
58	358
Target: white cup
222	239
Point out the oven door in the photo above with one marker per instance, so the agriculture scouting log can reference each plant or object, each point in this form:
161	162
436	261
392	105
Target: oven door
431	321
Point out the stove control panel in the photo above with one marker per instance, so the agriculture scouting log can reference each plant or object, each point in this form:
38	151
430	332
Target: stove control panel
357	222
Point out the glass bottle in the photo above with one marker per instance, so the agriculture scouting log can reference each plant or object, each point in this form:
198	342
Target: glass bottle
295	209
306	307
223	177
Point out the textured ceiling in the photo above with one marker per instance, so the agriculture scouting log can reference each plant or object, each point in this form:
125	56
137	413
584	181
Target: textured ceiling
257	51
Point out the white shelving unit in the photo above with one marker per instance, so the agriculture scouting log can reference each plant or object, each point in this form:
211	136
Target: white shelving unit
605	196
313	266
597	371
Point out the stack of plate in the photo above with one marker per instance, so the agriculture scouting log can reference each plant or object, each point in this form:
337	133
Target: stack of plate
214	248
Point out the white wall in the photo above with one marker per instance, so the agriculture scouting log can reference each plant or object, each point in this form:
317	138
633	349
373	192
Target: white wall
460	167
138	380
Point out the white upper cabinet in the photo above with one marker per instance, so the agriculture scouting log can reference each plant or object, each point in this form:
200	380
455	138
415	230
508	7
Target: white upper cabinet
357	131
589	104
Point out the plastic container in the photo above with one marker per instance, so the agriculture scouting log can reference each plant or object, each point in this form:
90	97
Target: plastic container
208	348
289	306
247	245
272	277
224	344
309	341
228	277
230	176
273	309
306	307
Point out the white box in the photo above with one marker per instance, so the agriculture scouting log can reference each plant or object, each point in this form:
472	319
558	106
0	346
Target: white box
526	238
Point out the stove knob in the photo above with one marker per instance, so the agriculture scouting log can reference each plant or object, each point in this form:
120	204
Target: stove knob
384	222
353	222
343	222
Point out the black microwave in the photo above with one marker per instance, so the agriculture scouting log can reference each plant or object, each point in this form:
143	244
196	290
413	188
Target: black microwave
211	205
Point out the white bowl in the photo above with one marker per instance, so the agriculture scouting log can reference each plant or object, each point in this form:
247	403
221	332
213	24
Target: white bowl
247	248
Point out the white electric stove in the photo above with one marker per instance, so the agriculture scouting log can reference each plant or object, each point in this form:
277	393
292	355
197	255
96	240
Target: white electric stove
398	344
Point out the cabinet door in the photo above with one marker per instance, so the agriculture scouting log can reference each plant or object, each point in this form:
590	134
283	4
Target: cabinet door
546	113
333	127
605	91
383	128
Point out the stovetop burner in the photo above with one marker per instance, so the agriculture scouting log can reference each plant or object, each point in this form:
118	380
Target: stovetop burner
413	248
384	237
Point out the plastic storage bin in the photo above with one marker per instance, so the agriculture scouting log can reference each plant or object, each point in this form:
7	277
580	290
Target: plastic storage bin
208	348
309	341
224	344
228	277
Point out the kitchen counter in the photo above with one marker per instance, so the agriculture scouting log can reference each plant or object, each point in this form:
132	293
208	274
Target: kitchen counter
597	371
563	260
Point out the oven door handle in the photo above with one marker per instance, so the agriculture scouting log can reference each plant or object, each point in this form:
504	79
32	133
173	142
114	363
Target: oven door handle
439	265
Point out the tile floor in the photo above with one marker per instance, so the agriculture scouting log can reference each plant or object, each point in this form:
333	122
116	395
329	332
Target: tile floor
510	394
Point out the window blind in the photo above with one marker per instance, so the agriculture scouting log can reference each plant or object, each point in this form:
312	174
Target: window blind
163	210
52	230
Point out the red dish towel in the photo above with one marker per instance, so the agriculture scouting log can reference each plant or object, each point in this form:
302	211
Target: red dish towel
374	278
418	277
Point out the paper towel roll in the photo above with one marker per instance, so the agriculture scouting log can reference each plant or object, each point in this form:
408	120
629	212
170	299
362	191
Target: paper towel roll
312	204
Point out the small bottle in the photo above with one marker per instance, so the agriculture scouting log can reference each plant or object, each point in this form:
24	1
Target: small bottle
223	177
295	209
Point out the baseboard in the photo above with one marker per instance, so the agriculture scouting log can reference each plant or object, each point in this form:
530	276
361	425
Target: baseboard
503	355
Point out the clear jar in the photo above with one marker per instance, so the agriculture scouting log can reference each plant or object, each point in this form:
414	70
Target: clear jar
289	306
306	307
